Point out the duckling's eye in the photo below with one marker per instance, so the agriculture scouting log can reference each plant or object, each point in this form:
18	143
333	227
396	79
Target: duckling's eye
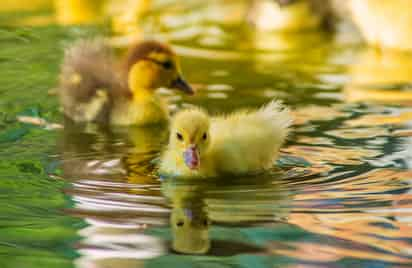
167	65
205	222
204	137
180	223
179	136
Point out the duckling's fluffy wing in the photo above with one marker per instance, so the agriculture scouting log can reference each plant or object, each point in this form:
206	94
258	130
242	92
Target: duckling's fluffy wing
87	80
250	140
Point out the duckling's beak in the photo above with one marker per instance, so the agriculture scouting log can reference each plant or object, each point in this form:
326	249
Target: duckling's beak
192	157
181	84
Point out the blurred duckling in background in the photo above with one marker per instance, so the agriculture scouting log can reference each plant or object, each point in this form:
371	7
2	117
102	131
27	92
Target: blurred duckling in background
290	15
92	89
123	15
18	5
70	12
384	23
243	142
126	15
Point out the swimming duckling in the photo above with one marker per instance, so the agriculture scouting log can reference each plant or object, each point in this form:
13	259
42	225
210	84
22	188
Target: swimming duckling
93	89
243	142
290	15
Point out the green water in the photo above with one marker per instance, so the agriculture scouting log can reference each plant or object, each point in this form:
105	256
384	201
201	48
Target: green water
87	197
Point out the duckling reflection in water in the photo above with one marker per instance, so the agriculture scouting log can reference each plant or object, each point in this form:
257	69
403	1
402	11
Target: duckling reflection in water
92	90
190	225
122	153
195	205
243	142
110	168
189	219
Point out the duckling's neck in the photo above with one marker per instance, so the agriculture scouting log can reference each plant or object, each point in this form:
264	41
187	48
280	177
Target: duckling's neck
143	107
142	94
140	82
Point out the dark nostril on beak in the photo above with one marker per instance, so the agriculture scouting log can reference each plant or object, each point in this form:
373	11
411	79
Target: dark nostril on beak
182	85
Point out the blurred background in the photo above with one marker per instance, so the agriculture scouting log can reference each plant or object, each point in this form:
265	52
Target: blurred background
86	196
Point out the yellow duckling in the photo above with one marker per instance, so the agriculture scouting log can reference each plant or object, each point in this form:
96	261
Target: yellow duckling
70	12
92	89
19	5
123	15
290	15
243	142
384	23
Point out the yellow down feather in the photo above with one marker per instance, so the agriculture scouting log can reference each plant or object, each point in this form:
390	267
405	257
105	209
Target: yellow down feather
242	142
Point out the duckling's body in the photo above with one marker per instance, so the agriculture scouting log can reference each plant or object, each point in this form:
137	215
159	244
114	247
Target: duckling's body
140	110
384	23
93	88
239	143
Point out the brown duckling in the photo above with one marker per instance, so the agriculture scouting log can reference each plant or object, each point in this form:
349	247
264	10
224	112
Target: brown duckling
93	89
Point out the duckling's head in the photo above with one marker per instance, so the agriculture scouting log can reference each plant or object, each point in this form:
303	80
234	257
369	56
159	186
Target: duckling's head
151	65
190	136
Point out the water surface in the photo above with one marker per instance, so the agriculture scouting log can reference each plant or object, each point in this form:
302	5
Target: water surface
84	196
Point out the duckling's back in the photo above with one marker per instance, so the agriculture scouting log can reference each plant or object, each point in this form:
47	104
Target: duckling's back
249	141
87	81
